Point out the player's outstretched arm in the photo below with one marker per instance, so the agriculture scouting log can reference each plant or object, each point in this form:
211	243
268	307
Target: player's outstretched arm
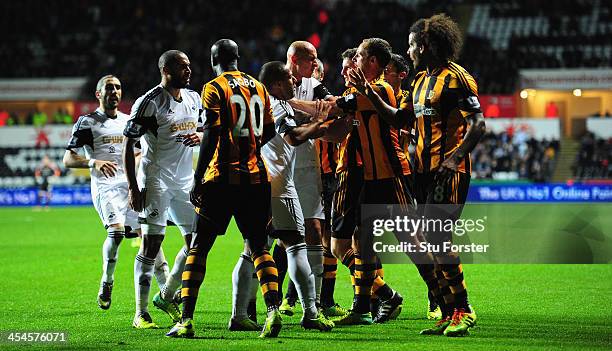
310	107
397	118
299	135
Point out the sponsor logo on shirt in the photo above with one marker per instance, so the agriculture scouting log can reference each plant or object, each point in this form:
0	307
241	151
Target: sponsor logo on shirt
112	139
182	126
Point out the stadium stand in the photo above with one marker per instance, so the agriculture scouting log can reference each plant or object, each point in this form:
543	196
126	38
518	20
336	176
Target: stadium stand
593	160
515	34
512	157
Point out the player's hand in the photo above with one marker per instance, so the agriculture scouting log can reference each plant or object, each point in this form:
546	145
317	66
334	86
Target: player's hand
108	168
192	139
136	199
195	195
447	169
322	109
358	80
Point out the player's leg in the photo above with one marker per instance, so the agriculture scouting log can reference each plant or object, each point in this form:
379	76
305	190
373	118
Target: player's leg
252	210
463	317
421	185
181	212
212	219
309	188
153	225
152	238
193	275
389	191
445	201
109	208
330	263
242	293
288	221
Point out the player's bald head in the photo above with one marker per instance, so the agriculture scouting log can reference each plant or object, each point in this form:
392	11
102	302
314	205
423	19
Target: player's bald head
300	49
169	58
224	52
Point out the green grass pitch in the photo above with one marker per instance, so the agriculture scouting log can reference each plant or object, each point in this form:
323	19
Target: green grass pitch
50	264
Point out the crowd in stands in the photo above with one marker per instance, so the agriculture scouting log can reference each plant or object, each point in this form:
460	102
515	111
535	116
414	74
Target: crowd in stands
35	118
514	156
593	161
97	37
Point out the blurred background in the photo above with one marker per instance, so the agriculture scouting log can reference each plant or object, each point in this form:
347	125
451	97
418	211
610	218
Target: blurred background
543	70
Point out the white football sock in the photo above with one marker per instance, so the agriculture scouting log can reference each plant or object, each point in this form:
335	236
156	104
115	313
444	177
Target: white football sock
315	259
161	269
110	253
143	273
299	271
242	277
175	278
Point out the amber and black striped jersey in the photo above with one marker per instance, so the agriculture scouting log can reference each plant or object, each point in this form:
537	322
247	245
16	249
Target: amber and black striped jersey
372	138
441	100
404	133
239	105
328	156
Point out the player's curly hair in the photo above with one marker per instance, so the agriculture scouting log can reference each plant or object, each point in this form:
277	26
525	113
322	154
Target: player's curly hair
440	34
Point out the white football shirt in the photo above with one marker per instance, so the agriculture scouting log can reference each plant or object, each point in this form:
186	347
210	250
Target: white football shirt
161	122
310	89
278	155
101	137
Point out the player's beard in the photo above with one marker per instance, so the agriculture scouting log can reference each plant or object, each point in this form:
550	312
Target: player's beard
111	104
179	84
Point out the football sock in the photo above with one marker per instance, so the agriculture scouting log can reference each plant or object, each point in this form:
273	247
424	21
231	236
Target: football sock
330	267
348	260
456	283
161	269
446	300
143	273
193	275
280	258
300	273
315	259
267	274
364	279
175	277
428	274
110	253
379	287
241	286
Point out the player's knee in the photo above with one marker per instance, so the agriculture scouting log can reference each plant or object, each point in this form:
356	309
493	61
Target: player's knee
313	231
339	247
289	237
152	242
116	232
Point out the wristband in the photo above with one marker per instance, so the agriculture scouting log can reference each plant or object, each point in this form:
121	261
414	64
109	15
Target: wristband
91	163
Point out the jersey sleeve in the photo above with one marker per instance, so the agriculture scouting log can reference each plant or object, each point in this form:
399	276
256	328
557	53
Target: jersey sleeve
386	93
211	105
467	93
319	90
283	117
81	134
143	117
